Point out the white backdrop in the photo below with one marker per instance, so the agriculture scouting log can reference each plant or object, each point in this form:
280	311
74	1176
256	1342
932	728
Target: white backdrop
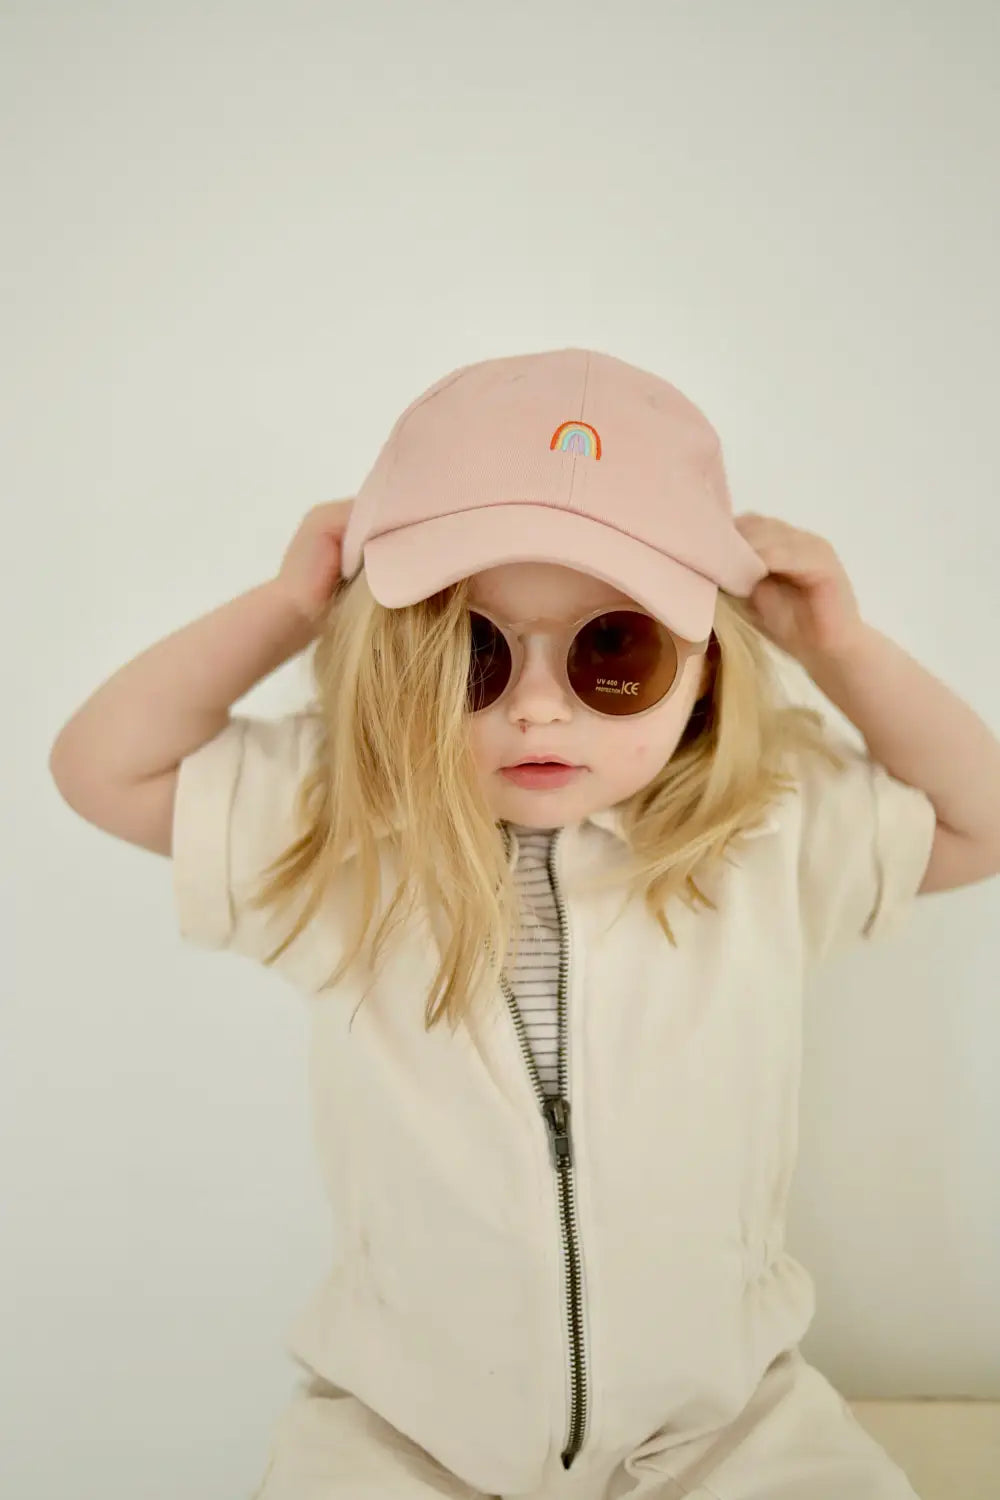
240	239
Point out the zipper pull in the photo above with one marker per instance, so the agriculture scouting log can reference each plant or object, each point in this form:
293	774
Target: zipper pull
556	1112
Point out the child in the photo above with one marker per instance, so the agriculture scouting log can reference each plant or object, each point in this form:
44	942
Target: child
557	1121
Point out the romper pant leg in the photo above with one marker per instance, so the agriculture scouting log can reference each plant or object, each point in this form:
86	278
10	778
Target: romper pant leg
328	1445
796	1439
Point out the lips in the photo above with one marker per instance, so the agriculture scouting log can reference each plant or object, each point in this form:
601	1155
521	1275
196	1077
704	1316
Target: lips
540	760
535	777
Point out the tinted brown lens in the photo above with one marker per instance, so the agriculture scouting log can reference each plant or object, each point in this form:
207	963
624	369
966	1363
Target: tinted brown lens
622	662
489	663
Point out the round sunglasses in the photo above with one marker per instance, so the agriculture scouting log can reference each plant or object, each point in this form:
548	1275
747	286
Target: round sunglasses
619	663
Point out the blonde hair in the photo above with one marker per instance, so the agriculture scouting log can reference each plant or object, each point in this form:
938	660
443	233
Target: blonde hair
395	761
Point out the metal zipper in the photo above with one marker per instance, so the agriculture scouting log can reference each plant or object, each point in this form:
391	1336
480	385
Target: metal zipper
556	1113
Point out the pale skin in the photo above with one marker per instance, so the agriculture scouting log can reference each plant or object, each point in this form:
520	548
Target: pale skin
540	716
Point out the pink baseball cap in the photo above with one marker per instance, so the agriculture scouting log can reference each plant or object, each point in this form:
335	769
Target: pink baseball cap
568	456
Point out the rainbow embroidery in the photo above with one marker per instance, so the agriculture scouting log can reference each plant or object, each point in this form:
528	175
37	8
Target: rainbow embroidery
577	437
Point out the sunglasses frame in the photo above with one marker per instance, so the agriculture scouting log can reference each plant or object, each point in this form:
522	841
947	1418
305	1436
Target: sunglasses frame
563	634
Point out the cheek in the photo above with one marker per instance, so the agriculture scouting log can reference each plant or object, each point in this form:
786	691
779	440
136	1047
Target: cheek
476	739
481	741
637	747
651	742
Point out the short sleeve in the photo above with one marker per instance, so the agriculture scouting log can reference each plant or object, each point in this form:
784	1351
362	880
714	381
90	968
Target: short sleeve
865	844
234	813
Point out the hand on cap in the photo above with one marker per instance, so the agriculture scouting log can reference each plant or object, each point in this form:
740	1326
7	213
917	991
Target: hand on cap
310	569
806	604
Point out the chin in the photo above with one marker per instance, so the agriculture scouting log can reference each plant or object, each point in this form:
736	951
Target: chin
540	808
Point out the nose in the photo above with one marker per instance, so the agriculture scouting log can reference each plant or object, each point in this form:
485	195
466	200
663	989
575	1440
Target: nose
538	696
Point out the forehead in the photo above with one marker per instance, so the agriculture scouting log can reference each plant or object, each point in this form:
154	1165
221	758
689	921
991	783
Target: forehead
524	589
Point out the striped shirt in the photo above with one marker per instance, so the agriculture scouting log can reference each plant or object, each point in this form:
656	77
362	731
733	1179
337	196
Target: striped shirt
534	976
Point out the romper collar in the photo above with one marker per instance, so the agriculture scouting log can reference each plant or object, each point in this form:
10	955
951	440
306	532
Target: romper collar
610	819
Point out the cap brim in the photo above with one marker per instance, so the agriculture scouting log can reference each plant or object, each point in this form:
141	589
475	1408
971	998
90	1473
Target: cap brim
414	562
